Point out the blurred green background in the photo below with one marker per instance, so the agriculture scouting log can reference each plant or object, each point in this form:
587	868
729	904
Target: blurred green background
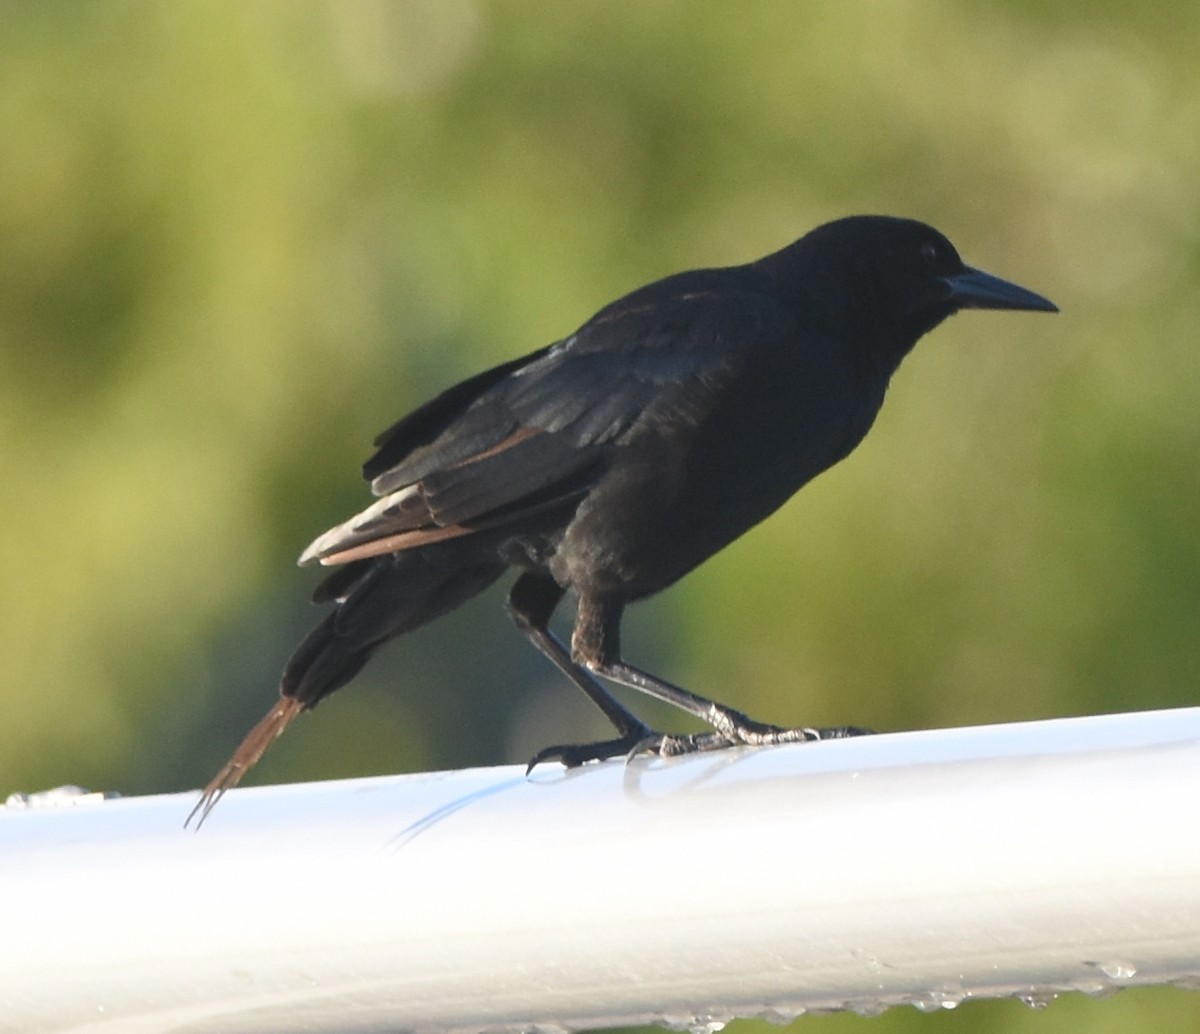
237	240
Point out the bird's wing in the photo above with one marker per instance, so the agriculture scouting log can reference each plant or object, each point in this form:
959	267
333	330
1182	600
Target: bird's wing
409	439
658	356
537	433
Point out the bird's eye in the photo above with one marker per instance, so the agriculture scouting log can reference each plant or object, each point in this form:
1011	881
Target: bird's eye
930	253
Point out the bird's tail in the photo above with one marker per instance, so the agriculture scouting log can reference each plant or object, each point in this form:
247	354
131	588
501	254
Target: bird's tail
374	600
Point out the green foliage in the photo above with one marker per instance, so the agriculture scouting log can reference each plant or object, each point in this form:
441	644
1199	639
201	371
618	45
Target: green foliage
238	240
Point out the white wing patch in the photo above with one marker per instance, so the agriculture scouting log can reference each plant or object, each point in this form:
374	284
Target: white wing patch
408	498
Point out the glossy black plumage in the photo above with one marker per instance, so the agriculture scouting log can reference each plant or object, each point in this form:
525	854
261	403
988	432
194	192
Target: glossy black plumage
613	462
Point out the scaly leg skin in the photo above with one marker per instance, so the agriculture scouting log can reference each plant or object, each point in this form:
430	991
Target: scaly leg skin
669	745
745	733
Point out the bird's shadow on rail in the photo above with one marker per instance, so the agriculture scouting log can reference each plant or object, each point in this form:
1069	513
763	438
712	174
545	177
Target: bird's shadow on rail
635	771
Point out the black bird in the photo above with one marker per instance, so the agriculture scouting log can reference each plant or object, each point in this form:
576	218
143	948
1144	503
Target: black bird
614	461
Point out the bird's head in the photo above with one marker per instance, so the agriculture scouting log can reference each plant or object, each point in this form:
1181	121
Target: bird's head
896	279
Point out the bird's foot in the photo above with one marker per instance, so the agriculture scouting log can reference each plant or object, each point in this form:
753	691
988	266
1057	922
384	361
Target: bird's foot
669	745
572	755
843	732
737	728
745	733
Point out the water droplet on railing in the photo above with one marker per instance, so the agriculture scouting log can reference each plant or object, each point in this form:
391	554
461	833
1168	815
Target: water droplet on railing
934	1001
1037	999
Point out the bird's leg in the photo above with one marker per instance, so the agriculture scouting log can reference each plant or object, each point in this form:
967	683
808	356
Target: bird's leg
530	604
596	645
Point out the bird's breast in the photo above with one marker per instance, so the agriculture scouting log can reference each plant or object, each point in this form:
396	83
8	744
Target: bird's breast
679	491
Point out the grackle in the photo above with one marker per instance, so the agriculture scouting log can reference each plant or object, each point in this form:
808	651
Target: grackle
614	461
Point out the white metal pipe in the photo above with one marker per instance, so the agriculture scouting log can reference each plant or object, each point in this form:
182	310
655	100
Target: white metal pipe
923	868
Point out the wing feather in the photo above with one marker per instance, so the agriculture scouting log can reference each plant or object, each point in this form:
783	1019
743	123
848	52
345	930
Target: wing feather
538	432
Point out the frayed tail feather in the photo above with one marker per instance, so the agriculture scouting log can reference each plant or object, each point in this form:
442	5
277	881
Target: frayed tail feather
252	748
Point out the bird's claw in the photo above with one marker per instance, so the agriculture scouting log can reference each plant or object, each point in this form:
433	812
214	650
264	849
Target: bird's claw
573	755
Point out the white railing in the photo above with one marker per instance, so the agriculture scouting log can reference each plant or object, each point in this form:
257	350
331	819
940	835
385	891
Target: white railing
924	868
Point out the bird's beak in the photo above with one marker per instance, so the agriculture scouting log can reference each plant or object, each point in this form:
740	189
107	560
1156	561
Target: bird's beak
975	289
